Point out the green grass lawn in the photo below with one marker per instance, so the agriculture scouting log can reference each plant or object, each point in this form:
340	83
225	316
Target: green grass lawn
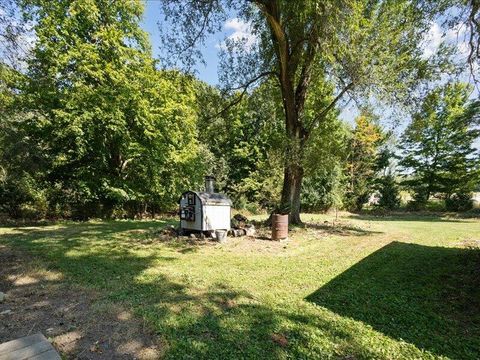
385	288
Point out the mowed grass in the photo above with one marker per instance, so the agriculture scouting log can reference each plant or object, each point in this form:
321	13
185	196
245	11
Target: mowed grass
403	287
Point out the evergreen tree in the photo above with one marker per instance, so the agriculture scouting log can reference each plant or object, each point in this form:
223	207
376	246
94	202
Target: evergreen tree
386	182
389	193
438	155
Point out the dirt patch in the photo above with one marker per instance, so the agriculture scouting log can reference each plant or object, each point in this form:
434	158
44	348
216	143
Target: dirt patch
259	243
470	243
78	322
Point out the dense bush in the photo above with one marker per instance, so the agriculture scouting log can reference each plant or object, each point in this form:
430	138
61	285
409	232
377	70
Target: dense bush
419	201
323	191
22	197
459	202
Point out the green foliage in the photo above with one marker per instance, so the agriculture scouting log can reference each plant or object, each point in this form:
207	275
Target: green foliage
420	198
386	184
362	164
21	156
245	145
103	127
22	197
389	192
459	202
325	153
8	77
323	191
438	153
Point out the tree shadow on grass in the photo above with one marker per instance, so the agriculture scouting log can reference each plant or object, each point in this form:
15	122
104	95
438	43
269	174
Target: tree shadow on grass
218	322
341	229
428	296
221	322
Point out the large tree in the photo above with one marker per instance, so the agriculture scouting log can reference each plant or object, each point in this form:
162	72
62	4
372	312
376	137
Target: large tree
113	130
370	49
438	146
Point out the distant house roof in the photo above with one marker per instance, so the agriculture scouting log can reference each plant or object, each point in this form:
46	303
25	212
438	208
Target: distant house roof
211	198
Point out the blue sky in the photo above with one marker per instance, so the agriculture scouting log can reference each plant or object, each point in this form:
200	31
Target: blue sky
206	73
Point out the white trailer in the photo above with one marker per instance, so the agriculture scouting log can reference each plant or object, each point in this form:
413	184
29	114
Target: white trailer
205	211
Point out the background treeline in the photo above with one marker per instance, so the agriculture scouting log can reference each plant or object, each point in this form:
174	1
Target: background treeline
89	127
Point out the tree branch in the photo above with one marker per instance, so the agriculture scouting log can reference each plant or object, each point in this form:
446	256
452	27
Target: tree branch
305	75
473	43
325	111
242	94
250	82
271	13
200	32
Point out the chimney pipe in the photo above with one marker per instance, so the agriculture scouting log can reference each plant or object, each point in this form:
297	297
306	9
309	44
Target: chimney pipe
209	184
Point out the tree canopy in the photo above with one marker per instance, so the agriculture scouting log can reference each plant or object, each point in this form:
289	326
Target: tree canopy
104	124
365	48
439	156
92	125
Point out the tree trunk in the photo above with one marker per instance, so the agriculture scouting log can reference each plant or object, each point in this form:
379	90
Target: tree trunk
293	97
292	185
293	171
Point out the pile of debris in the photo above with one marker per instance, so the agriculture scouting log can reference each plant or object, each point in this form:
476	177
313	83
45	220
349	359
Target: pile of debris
241	227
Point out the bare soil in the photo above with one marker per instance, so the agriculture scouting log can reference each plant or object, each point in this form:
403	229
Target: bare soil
78	322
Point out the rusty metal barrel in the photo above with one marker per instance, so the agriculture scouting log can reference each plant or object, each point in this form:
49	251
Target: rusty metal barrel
279	227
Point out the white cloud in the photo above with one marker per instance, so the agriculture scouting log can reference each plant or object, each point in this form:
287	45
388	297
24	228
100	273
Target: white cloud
436	36
242	33
433	40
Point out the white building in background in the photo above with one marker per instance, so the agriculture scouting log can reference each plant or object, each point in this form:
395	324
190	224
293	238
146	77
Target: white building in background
476	199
